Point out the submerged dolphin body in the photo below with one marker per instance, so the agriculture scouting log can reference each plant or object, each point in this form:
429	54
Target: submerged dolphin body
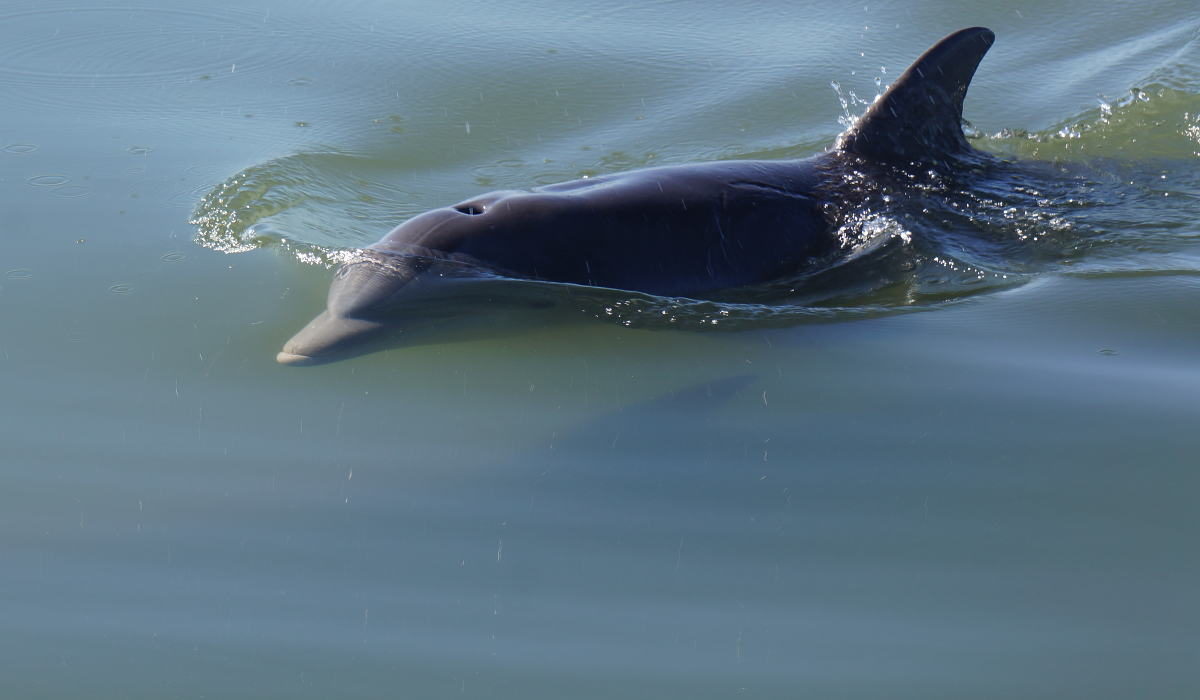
689	230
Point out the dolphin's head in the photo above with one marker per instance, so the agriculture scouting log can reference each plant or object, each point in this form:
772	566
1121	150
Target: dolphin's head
381	299
362	298
328	337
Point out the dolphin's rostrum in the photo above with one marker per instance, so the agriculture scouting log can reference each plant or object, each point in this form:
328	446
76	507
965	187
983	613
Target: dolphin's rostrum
688	230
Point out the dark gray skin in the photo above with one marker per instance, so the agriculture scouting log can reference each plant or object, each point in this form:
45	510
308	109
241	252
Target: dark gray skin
690	230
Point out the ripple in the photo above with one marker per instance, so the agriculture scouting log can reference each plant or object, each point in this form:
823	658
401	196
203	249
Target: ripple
648	312
20	273
48	180
121	289
19	148
70	191
104	46
172	257
114	57
190	195
312	203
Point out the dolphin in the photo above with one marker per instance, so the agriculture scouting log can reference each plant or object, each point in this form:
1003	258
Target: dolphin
687	230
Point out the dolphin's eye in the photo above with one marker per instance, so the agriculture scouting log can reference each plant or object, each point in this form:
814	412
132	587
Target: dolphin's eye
469	209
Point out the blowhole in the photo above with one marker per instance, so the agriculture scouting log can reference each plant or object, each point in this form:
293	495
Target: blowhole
469	209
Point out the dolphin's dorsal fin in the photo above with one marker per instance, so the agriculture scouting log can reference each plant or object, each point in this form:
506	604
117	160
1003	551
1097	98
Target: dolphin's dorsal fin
919	118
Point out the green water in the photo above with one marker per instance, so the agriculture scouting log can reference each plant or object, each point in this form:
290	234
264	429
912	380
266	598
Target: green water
990	495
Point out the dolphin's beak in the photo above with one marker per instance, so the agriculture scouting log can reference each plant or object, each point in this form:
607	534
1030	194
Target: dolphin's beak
328	337
287	358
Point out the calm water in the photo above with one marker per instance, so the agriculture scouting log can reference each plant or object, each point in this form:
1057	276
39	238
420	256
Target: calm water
977	479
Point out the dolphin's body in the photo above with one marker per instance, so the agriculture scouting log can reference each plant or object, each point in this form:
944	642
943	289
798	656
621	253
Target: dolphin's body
690	230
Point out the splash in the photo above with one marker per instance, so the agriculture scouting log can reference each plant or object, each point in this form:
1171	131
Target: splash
1149	122
310	203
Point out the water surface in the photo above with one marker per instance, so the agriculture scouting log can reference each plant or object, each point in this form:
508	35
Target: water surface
886	491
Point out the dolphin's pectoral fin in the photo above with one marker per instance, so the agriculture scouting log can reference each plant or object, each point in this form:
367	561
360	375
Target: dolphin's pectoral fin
919	118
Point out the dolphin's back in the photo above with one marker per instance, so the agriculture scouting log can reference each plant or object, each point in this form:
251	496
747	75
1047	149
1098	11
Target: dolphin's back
677	230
